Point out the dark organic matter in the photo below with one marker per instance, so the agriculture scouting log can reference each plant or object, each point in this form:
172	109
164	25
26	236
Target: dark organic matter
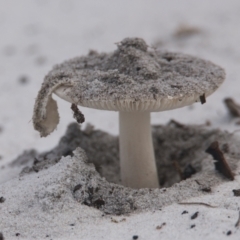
77	114
221	164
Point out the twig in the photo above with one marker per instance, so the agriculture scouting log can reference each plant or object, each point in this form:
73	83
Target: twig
197	203
238	221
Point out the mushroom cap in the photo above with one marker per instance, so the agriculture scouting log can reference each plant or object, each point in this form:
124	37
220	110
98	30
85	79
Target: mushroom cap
134	79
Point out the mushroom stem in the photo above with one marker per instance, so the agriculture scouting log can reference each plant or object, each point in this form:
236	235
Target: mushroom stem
137	160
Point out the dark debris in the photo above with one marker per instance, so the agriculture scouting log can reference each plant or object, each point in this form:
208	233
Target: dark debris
229	233
204	188
1	236
2	199
202	99
77	187
77	114
159	227
236	192
195	215
221	164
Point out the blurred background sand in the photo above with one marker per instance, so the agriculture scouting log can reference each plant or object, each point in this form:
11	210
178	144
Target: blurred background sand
37	34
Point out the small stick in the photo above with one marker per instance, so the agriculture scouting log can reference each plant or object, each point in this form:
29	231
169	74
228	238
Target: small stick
197	203
238	221
77	114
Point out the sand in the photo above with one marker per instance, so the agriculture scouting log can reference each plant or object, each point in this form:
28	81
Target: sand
72	188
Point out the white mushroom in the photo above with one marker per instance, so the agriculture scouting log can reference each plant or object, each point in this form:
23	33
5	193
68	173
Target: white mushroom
135	82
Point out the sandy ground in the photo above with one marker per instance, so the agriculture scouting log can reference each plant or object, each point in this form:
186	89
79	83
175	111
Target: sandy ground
38	34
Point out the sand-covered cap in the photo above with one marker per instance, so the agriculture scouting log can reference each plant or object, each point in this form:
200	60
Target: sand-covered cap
132	78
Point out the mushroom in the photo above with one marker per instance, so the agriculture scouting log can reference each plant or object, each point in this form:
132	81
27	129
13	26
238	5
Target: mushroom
135	82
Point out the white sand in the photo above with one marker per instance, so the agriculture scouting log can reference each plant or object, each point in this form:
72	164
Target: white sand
40	206
59	30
